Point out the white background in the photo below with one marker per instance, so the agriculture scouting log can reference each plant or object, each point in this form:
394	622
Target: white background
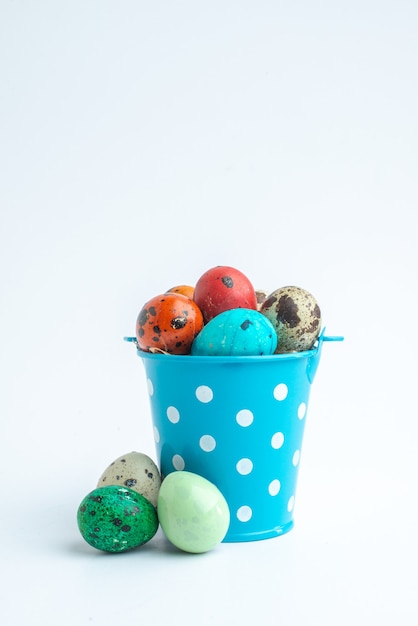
142	143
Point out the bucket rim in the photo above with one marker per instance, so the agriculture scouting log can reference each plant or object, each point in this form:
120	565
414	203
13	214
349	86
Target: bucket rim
226	359
287	356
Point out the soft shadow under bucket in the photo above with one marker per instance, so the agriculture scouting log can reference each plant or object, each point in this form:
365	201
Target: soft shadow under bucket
239	422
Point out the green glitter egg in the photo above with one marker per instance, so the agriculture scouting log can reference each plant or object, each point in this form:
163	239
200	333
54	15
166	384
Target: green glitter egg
193	513
116	519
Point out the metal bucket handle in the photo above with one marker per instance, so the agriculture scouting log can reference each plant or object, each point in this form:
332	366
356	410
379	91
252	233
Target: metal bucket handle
315	358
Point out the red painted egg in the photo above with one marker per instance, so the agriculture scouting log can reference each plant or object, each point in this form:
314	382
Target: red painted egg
168	322
222	288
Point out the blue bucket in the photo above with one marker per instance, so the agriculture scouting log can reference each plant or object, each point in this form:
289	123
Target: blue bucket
239	422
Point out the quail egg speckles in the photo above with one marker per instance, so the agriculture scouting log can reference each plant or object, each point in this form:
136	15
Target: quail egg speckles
168	323
261	296
136	471
296	317
116	519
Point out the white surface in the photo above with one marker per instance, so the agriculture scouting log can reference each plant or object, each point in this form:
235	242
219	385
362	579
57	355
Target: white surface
141	144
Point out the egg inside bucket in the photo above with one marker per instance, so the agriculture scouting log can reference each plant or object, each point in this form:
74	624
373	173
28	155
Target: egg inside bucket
296	317
237	332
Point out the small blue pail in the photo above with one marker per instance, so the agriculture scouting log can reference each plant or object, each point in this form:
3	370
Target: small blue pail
239	422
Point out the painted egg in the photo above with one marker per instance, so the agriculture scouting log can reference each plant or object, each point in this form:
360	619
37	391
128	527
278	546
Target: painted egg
185	290
295	315
222	288
136	471
116	519
168	323
261	296
193	513
237	332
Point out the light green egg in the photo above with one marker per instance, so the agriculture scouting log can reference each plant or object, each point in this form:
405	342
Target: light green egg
192	512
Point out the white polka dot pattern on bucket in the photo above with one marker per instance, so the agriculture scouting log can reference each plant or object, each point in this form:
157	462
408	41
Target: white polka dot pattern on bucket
156	435
244	418
280	392
173	414
178	462
207	443
277	440
244	466
274	487
261	449
204	394
244	513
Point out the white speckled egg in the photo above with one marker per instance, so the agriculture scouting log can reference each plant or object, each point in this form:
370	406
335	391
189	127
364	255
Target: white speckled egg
236	332
136	471
296	317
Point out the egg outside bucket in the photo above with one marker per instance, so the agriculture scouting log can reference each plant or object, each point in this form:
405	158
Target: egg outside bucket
239	422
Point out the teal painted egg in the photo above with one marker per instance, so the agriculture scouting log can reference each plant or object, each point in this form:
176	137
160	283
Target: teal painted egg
116	519
193	513
237	332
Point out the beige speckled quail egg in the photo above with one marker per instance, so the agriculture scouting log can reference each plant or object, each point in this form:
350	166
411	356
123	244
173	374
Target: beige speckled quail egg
261	295
136	471
296	317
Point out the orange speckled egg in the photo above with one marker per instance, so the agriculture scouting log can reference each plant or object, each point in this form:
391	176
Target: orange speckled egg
168	322
186	290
